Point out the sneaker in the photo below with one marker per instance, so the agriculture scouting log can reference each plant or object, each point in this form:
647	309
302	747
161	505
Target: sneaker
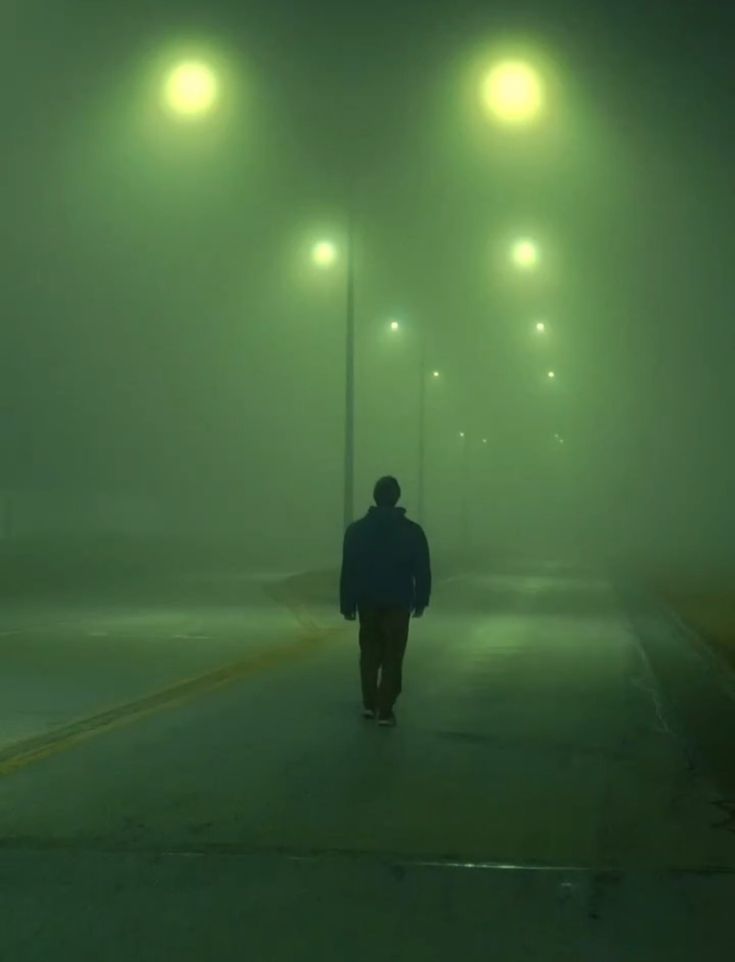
368	713
388	720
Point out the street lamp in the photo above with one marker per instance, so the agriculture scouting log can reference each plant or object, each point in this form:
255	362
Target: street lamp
551	375
190	89
423	379
324	254
512	92
525	254
540	327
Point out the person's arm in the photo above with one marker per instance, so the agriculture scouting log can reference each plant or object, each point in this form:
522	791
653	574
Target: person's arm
422	572
347	591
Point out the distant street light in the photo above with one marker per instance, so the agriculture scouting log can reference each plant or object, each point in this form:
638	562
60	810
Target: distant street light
512	92
394	325
461	434
435	374
541	327
324	254
525	254
551	375
191	89
484	440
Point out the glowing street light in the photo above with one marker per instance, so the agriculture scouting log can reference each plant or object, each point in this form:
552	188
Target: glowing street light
461	434
435	374
394	326
484	440
324	254
525	254
541	327
551	375
512	92
190	89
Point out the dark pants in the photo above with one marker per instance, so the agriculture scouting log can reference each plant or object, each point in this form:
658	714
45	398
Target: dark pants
383	637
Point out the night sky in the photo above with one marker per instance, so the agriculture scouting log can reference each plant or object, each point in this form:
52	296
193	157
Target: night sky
164	336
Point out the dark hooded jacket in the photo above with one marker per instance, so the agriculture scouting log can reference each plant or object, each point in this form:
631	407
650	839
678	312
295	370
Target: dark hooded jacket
385	561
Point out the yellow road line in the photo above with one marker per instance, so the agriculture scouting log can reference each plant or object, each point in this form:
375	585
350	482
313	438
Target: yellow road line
24	753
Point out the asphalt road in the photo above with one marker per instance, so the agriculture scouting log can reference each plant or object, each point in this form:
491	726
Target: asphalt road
539	800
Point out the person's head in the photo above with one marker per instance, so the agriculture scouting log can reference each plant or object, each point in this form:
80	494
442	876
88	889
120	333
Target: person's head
386	492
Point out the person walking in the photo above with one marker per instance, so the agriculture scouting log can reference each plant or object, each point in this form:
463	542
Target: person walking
385	577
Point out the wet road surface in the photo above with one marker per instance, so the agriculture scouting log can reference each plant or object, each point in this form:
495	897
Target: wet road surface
539	799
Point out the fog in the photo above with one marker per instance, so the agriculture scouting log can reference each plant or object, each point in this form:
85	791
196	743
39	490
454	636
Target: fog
173	361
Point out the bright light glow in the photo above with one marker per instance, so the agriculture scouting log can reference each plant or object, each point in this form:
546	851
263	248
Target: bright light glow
324	254
512	92
191	89
540	327
524	254
461	434
551	375
394	325
435	374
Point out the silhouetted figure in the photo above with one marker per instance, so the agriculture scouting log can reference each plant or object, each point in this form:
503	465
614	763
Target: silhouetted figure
386	575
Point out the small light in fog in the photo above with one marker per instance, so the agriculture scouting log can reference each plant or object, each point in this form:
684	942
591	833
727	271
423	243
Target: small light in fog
551	374
324	254
540	327
484	440
191	88
461	434
435	374
512	92
394	325
524	254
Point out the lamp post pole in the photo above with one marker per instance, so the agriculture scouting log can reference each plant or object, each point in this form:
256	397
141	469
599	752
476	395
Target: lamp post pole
464	507
349	451
422	431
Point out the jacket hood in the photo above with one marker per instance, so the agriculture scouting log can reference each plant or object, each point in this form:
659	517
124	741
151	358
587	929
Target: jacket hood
382	513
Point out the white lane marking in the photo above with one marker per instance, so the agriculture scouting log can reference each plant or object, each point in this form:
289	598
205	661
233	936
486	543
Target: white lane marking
650	688
646	682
